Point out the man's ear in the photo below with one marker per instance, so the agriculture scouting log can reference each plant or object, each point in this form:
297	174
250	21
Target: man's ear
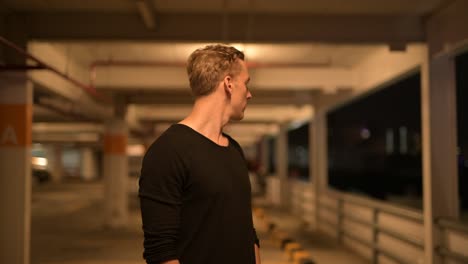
228	84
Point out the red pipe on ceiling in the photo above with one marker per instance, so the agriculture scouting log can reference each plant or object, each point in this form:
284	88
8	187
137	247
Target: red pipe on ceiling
91	90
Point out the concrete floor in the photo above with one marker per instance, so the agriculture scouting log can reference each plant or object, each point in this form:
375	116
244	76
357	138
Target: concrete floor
67	228
322	248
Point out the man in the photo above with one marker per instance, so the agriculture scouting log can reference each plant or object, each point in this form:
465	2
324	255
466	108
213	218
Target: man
194	185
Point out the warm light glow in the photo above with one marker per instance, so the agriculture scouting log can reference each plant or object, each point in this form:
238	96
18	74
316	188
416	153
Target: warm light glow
238	46
296	124
250	50
135	150
38	161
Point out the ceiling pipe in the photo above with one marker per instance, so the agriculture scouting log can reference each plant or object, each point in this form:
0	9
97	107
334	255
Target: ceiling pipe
65	108
20	67
87	88
145	8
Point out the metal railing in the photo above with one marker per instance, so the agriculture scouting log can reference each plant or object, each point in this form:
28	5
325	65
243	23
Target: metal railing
447	224
377	208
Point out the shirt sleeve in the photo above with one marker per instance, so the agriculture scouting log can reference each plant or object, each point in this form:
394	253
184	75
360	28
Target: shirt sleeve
160	192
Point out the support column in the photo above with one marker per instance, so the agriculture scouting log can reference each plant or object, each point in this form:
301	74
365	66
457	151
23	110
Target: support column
54	154
318	159
263	169
15	167
313	172
282	164
265	151
321	155
440	179
446	35
88	164
115	171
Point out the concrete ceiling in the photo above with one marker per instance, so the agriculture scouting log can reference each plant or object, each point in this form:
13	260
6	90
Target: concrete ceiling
381	7
300	52
320	54
286	88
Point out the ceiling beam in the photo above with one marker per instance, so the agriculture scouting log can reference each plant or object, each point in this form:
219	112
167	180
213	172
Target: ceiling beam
156	78
66	137
184	97
208	27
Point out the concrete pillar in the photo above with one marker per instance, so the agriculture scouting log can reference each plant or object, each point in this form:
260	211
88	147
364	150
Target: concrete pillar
265	151
89	169
313	173
115	171
55	163
282	164
447	35
15	167
318	159
440	178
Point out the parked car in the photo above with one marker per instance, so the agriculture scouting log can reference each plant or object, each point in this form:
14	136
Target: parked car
40	176
39	172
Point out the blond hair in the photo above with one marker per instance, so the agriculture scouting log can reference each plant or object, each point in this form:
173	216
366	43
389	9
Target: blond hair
207	66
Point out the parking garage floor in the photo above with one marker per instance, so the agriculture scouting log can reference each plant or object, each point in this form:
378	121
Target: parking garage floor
67	228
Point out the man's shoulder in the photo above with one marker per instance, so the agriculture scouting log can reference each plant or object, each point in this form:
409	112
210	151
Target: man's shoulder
172	138
234	143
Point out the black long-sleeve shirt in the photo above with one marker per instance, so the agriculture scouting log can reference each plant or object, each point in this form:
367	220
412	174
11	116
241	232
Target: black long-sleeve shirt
195	201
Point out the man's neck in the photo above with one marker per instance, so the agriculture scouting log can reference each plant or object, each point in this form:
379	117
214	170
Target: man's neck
208	117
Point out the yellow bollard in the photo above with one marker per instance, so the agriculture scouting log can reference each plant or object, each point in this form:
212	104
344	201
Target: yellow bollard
299	256
290	248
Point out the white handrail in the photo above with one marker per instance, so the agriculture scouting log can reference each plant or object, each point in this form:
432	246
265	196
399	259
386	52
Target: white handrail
377	207
411	214
452	225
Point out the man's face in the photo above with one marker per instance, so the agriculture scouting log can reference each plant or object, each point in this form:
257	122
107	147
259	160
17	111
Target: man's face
240	92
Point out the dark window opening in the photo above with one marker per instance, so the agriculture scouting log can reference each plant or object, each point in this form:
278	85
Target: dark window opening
271	155
298	152
462	131
374	144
